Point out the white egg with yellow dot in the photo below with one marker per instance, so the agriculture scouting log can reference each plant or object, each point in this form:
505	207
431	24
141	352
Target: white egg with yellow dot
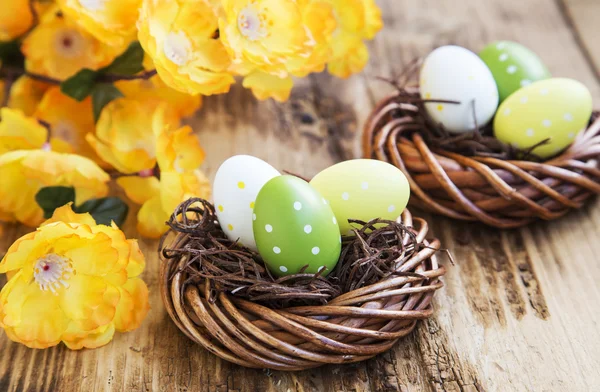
236	185
453	73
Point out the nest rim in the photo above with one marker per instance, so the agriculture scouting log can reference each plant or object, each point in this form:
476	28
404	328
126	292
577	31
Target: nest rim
351	327
502	193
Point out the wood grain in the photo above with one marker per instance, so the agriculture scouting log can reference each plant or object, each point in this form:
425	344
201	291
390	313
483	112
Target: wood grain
520	309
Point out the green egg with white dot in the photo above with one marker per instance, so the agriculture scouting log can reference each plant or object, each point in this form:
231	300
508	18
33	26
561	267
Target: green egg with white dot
513	66
294	228
556	109
363	189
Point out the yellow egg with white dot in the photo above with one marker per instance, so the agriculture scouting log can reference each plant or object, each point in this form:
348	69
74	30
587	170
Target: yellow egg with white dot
362	189
237	183
555	109
453	73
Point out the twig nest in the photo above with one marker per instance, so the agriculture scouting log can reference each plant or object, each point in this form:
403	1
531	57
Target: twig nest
220	294
475	176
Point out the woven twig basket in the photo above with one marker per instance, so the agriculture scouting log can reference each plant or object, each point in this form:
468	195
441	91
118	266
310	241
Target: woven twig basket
500	193
353	327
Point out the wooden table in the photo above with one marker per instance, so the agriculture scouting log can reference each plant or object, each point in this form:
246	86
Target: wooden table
520	310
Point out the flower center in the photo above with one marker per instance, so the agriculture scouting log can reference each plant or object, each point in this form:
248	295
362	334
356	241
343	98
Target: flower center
64	130
253	23
52	272
68	43
92	5
177	48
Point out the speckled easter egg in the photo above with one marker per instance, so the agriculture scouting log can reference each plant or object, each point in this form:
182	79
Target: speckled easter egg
236	186
513	66
294	227
555	108
363	189
457	74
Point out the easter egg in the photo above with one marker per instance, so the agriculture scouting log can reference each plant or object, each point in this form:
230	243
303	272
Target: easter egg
363	189
556	108
237	183
457	74
513	66
294	227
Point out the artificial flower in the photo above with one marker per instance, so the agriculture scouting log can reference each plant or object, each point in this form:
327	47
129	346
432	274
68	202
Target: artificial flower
154	92
357	20
181	37
19	132
265	33
15	19
69	120
110	21
124	134
24	172
264	85
73	281
58	48
26	94
179	155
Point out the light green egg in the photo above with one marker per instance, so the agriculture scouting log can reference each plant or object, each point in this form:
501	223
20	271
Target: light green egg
556	108
513	65
294	227
363	189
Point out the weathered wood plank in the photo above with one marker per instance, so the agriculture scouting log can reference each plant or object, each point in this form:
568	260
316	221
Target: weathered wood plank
582	15
519	310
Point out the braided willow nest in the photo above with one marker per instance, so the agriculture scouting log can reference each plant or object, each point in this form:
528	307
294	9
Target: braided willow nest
221	295
475	177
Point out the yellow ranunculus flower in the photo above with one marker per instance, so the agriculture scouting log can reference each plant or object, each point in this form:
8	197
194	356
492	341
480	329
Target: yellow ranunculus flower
264	85
15	19
181	38
73	281
19	132
26	94
179	155
24	172
357	20
110	21
59	48
265	33
69	121
125	136
154	92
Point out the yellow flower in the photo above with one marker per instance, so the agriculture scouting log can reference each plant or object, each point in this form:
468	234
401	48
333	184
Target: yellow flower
179	155
265	33
19	132
15	19
73	281
26	94
110	21
357	20
69	121
124	134
24	172
264	85
154	92
181	38
58	48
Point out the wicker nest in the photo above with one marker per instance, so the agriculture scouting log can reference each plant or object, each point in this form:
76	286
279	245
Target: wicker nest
475	177
201	268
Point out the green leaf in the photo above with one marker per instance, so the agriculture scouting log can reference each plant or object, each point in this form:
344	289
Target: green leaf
10	54
80	85
102	94
105	210
129	62
51	197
